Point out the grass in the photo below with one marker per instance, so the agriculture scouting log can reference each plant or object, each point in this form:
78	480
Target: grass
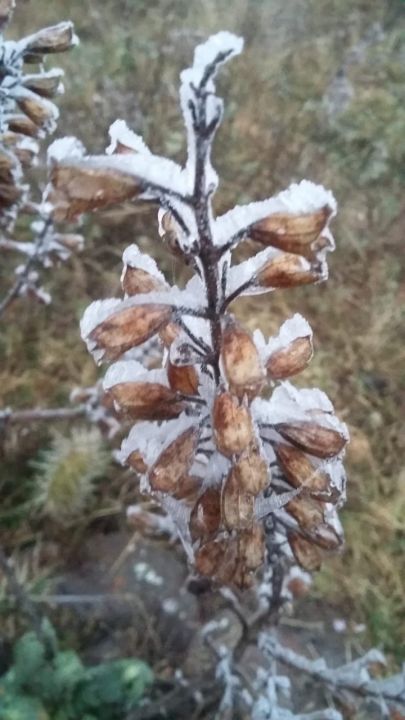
276	130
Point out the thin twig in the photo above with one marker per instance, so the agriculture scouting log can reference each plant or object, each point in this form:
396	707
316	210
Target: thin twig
22	417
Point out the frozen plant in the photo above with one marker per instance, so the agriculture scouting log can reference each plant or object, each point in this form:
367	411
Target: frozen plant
240	459
27	115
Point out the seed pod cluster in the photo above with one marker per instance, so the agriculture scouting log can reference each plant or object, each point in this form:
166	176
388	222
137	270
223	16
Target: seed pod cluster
242	460
27	112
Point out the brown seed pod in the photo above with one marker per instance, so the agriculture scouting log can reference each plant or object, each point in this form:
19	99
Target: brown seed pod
135	281
21	124
205	519
308	513
136	462
169	333
183	378
252	470
9	194
146	401
241	361
128	328
237	505
326	537
308	555
299	471
174	462
291	233
233	427
252	546
188	489
46	84
313	438
290	360
218	559
169	232
83	185
54	39
288	270
8	166
42	112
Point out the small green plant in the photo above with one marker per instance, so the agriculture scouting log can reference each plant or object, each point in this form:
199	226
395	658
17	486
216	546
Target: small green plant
45	683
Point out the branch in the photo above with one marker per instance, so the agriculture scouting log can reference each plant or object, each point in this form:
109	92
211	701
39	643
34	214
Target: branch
21	417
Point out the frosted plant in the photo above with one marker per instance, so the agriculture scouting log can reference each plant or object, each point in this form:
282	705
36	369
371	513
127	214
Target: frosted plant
27	115
238	457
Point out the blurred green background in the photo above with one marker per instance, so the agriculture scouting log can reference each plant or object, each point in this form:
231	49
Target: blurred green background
317	94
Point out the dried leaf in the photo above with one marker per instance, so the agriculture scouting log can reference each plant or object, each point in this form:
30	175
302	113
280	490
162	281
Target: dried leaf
129	328
174	462
241	361
291	233
205	519
146	400
232	422
83	185
313	438
290	360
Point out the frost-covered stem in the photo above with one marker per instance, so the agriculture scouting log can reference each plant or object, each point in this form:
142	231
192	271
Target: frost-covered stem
14	246
21	417
203	134
31	260
351	682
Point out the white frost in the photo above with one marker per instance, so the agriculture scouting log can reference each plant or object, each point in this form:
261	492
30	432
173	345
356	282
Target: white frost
67	147
292	329
120	133
131	371
134	258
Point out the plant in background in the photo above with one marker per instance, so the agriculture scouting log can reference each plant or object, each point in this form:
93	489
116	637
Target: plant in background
67	471
27	115
46	682
231	466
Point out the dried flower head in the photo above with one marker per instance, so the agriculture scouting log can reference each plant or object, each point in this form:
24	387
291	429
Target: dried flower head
238	457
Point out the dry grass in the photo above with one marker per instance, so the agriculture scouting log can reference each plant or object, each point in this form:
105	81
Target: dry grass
275	130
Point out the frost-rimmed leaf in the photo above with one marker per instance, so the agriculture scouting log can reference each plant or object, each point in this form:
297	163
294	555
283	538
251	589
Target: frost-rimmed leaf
124	140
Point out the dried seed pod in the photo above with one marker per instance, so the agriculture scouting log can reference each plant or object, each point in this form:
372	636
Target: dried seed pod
326	537
308	512
308	555
8	166
135	281
169	333
252	470
183	378
241	361
290	360
46	85
85	184
315	439
237	505
232	423
291	233
205	519
21	124
146	400
9	194
174	462
71	241
128	328
299	471
188	489
136	462
54	39
169	231
252	546
218	559
42	112
288	270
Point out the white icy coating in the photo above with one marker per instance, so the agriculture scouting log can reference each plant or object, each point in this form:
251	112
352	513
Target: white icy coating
151	438
131	371
337	474
133	257
292	329
289	404
97	312
120	133
297	199
67	147
246	271
204	55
